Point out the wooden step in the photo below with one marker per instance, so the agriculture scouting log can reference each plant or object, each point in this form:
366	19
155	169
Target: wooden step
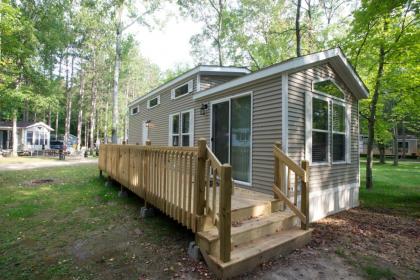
248	230
253	211
247	256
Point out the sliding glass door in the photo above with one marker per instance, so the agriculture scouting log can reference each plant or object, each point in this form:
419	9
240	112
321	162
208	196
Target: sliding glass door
220	129
231	135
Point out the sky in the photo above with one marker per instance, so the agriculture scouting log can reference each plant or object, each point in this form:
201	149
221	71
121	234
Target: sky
169	45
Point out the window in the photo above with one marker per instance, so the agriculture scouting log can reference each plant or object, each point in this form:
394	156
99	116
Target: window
135	110
400	145
29	137
329	87
319	130
182	90
327	128
153	102
338	132
181	129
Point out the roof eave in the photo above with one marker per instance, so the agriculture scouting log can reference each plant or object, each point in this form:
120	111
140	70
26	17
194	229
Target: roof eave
192	72
300	62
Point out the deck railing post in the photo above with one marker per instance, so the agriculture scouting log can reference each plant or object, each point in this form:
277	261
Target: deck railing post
200	184
305	194
225	212
146	172
277	169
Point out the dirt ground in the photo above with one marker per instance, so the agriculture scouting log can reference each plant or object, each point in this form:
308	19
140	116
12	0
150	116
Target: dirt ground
356	244
9	164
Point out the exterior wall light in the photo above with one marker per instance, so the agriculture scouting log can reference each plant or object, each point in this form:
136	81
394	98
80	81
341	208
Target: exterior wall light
203	109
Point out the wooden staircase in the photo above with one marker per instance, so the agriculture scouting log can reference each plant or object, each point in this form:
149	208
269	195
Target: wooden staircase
254	239
255	232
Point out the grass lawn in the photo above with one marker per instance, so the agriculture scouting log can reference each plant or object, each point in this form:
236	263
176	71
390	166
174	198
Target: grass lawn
396	188
76	228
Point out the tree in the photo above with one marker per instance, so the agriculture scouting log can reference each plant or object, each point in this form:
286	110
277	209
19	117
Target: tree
381	31
135	17
213	14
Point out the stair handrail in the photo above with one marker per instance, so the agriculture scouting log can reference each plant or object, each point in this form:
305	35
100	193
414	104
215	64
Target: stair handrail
223	174
283	163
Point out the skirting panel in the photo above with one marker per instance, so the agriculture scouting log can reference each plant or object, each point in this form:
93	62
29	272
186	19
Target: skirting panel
327	202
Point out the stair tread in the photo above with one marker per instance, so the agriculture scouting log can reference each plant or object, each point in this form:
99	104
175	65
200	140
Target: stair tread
213	233
255	247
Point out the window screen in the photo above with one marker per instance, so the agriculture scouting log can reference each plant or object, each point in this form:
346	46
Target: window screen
338	132
319	130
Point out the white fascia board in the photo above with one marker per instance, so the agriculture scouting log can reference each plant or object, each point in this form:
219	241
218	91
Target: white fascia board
287	66
42	124
194	71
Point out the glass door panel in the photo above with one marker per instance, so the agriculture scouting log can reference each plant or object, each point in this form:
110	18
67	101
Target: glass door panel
220	131
240	152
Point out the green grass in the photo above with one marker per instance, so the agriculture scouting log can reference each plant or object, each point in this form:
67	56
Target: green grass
378	273
40	225
396	189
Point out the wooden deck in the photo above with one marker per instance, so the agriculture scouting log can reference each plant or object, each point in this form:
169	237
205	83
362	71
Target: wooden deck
236	229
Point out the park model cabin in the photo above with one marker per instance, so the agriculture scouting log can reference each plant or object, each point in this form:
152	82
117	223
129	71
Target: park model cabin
309	104
31	136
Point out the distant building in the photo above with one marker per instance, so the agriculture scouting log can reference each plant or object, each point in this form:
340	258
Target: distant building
411	146
31	136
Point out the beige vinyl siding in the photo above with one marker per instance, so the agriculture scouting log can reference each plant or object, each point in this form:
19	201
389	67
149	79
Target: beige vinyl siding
266	126
209	81
159	115
322	176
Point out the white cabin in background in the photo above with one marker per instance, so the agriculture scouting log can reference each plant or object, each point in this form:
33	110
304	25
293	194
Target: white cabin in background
32	136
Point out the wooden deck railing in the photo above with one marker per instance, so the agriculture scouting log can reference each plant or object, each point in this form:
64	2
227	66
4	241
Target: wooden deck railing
218	191
282	184
189	184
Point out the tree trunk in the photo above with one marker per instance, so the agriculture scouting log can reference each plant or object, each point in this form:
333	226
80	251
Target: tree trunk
56	125
372	117
126	116
395	144
14	134
26	111
106	123
381	148
93	105
297	26
49	116
115	114
404	151
80	115
68	100
98	119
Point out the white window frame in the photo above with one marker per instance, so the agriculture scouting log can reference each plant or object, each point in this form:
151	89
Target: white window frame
132	108
339	103
325	94
190	84
328	131
308	128
180	134
157	104
229	99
